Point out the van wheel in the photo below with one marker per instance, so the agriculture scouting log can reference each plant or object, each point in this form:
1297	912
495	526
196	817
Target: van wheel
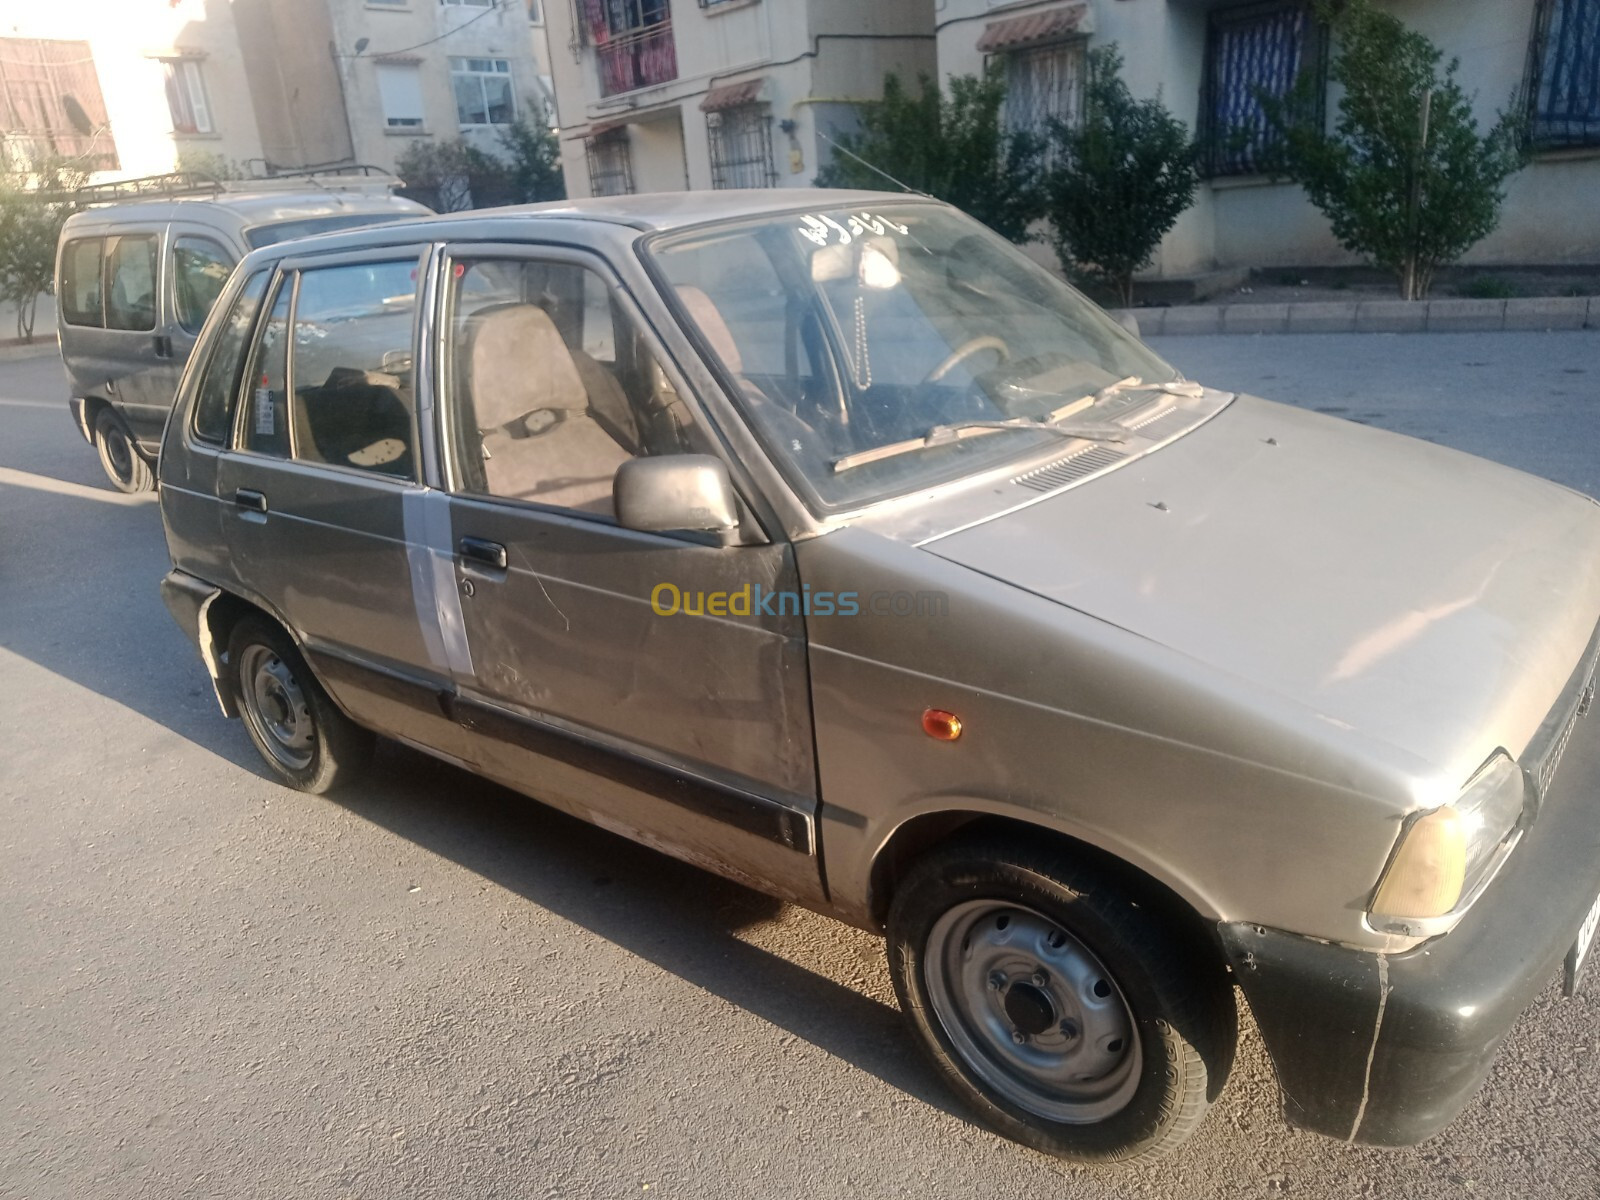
303	736
1068	1017
124	465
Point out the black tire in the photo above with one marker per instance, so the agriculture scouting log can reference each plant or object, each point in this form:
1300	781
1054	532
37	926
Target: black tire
298	730
119	455
957	914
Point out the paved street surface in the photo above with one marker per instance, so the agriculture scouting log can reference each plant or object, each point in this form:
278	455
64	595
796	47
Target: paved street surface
212	986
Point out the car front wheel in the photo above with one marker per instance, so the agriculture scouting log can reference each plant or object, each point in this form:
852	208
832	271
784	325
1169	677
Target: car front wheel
298	730
123	464
1068	1016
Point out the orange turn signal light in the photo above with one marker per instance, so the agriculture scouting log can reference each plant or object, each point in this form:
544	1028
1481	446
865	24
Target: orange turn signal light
940	725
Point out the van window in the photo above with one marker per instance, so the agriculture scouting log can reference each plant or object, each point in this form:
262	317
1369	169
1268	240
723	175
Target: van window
353	400
266	418
200	270
131	283
219	386
80	282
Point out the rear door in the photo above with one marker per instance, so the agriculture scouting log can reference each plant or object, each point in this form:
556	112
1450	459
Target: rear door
654	684
323	490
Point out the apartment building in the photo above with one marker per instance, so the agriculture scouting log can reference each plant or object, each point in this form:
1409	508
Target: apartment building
334	80
667	95
140	87
126	87
1209	60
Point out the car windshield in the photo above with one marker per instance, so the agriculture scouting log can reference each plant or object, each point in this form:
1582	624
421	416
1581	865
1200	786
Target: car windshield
882	350
283	231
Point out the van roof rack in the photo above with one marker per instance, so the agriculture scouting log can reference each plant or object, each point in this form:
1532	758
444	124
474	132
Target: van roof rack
333	177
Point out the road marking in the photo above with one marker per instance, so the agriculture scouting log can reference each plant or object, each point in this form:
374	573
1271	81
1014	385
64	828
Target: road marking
60	487
33	404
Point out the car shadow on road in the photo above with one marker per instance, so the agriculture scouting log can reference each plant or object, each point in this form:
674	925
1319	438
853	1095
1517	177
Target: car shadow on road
679	917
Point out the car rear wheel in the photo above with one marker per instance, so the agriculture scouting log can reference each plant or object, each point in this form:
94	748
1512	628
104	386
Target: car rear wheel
1067	1015
124	465
298	730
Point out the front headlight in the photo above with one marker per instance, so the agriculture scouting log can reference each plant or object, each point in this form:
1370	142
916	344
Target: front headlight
1448	856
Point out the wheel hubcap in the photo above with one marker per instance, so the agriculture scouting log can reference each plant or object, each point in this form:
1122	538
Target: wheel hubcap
276	707
119	453
1032	1012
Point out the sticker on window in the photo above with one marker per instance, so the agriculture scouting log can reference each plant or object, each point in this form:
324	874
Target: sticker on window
265	422
822	229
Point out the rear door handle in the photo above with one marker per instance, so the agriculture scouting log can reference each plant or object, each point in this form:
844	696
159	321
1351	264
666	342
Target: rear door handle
485	553
163	346
249	498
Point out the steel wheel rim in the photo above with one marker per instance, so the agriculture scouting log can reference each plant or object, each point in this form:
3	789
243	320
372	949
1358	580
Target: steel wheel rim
1032	1012
118	453
276	707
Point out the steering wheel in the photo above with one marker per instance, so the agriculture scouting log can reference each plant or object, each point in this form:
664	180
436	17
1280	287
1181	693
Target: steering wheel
965	351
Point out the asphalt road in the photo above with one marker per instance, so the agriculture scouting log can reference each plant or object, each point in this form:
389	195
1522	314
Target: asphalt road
212	986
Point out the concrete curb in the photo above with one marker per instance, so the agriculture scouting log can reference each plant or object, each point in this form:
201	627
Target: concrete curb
1371	316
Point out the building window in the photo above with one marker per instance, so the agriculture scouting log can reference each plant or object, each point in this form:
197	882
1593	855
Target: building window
186	96
468	3
535	12
1565	67
483	91
1044	84
741	147
633	43
1260	50
52	105
610	167
400	91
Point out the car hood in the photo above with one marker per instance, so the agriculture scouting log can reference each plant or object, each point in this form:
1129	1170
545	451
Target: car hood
1398	589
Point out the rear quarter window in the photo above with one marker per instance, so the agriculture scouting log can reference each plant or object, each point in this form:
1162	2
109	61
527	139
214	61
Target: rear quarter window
79	287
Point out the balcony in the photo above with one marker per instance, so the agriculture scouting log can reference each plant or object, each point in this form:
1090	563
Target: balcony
634	58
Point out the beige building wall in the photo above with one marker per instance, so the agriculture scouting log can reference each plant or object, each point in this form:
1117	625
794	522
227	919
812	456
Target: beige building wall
129	41
1552	210
814	59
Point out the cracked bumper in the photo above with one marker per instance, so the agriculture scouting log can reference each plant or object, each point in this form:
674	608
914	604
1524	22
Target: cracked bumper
1389	1052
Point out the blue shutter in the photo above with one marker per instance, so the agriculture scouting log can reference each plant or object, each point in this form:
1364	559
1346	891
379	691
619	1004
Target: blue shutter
1251	51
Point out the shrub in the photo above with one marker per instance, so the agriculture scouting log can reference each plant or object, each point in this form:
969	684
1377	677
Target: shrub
953	147
33	207
1122	176
455	174
1405	180
535	158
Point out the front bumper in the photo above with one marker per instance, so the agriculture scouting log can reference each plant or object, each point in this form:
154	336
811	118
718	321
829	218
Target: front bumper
1388	1049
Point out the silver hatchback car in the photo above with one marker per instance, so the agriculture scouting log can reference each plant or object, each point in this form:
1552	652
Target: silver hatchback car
825	541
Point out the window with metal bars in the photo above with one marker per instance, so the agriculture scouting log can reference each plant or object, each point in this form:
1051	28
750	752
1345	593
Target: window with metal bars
1564	70
741	147
1044	84
610	165
1255	51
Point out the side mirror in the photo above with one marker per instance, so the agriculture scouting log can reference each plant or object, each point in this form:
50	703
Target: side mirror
675	492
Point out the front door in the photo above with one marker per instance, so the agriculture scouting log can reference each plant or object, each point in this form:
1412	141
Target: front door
653	684
322	492
197	269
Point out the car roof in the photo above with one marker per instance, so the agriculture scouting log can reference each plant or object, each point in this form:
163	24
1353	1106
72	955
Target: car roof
651	212
250	209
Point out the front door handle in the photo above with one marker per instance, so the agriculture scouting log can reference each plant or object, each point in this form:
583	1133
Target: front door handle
249	498
484	553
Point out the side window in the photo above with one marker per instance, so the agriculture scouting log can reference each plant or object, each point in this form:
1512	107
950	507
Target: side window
80	282
200	270
353	400
552	386
131	283
219	386
266	418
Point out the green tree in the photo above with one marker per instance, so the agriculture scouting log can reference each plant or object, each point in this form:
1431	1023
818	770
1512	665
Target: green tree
952	146
453	175
1406	180
535	166
33	206
1122	176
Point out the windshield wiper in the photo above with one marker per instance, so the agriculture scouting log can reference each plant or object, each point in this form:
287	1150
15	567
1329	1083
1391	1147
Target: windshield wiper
1050	422
944	435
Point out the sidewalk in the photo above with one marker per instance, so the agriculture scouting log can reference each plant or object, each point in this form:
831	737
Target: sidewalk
1371	316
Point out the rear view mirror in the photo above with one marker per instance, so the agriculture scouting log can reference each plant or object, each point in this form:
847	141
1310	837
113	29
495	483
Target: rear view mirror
675	493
